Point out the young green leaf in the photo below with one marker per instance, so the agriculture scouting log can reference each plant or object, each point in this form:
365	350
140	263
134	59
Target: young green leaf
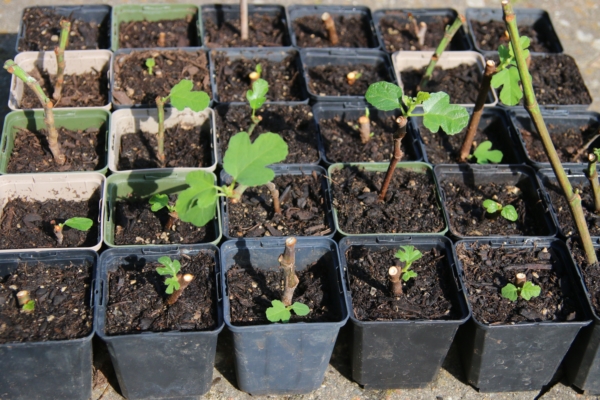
509	212
278	312
197	204
510	80
150	63
491	206
300	309
258	69
182	96
510	292
171	268
408	254
79	223
158	201
530	290
384	96
247	162
257	96
439	112
408	275
29	306
484	155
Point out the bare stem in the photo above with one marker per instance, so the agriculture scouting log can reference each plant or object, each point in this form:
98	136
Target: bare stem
365	129
65	28
254	76
520	279
395	283
396	156
352	76
23	297
450	31
160	137
173	216
184	281
533	109
287	262
422	33
330	27
275	195
58	232
162	40
244	19
484	88
592	174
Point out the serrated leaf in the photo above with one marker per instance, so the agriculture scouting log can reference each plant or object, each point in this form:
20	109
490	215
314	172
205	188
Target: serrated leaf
247	162
530	290
510	213
300	309
408	275
384	96
182	96
79	223
524	41
158	201
422	97
257	95
170	267
485	155
510	80
491	206
198	203
172	285
510	292
439	112
258	69
278	312
408	254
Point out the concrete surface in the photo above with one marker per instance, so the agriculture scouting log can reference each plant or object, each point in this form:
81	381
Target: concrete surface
577	23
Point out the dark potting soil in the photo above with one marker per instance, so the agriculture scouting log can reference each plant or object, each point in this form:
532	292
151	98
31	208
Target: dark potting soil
488	270
263	31
85	151
185	146
411	204
137	298
42	32
428	296
178	33
341	139
491	34
330	80
398	34
468	217
136	224
86	90
295	124
28	224
352	31
445	149
303	209
590	272
62	310
557	80
251	291
133	84
231	75
461	83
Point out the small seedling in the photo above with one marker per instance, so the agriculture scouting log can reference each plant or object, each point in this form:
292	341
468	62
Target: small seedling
256	74
592	174
352	76
158	202
181	96
65	29
79	223
485	155
508	211
523	288
25	301
176	282
407	254
330	28
364	123
279	312
150	64
256	98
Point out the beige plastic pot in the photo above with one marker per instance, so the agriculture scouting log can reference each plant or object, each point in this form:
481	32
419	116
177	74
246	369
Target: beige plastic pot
76	62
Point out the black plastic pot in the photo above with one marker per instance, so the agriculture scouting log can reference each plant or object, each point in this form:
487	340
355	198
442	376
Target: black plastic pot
519	176
536	18
460	41
154	365
299	11
403	353
349	113
59	369
586	123
273	54
280	169
283	359
523	356
346	57
98	14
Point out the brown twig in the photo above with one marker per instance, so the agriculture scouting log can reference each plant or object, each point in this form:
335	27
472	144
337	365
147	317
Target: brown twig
287	262
184	281
352	76
330	27
65	26
244	19
365	129
396	156
520	279
275	195
395	283
162	42
421	33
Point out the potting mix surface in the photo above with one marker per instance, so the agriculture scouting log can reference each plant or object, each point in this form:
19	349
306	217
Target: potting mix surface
398	32
352	30
330	80
491	34
143	34
264	30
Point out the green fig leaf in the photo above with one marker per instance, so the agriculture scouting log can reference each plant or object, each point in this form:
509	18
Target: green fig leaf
510	292
384	96
439	112
530	290
278	312
257	95
509	212
182	96
79	223
198	203
485	155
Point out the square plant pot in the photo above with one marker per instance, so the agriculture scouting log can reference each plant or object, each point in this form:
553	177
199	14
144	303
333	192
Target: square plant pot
325	72
129	222
130	83
394	30
47	198
178	361
87	151
521	347
180	23
91	24
487	27
495	126
281	68
462	72
221	26
288	358
464	188
353	24
97	63
340	136
573	134
411	206
190	143
60	367
305	206
403	349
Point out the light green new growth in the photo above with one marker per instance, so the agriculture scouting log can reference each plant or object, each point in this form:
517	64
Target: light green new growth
159	201
150	64
29	306
507	74
408	255
279	312
79	223
170	269
258	69
527	291
256	98
508	212
484	154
